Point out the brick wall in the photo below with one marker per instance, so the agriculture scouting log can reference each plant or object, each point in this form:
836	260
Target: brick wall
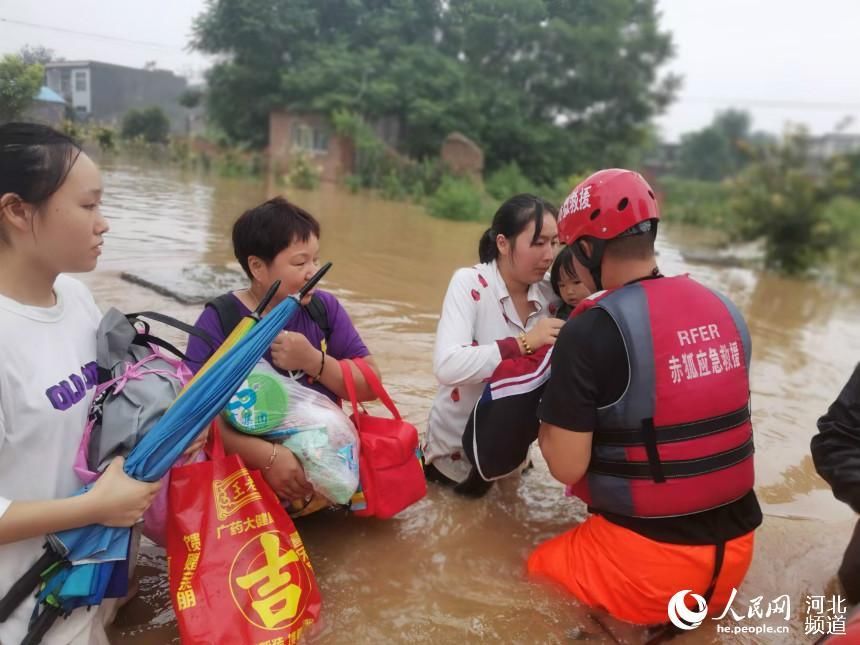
334	161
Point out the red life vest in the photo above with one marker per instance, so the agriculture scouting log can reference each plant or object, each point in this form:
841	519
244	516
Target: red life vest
679	440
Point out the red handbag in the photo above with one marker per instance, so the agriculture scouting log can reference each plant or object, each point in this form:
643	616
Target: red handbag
237	567
389	459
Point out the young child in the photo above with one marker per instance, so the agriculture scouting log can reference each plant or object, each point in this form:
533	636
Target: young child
566	283
50	224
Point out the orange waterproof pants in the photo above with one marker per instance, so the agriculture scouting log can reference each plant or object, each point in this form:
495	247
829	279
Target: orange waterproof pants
631	577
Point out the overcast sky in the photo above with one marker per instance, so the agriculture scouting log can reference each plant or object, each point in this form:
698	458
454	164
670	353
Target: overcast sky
783	60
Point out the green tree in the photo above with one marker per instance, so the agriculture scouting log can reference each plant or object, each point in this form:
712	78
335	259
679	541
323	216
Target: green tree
777	199
150	123
844	175
843	215
555	85
106	138
721	149
591	65
19	85
190	99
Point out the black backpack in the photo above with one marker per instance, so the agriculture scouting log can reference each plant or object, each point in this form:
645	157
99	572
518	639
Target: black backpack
228	313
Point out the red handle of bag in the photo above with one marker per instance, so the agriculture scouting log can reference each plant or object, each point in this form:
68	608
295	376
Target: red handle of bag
374	383
349	383
376	386
215	443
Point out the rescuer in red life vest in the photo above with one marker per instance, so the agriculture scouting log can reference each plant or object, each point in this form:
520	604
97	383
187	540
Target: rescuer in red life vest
646	418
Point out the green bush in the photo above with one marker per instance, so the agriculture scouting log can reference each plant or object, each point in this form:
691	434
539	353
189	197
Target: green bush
180	152
558	191
777	199
106	138
507	181
842	217
149	123
697	202
353	183
422	178
844	175
303	174
71	129
204	161
456	199
392	187
256	164
138	147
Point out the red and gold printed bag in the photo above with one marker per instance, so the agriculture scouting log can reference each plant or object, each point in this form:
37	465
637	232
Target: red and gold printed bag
238	569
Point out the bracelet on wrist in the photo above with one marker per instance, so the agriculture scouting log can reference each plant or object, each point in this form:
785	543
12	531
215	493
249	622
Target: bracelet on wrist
529	351
322	368
272	457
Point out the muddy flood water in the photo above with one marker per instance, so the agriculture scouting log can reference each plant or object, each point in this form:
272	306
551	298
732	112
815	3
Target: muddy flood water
451	570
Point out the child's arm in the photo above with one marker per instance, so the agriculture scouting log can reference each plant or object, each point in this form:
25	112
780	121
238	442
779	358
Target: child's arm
114	500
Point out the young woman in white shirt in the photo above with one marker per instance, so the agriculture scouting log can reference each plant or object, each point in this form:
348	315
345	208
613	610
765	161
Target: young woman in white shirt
500	308
50	224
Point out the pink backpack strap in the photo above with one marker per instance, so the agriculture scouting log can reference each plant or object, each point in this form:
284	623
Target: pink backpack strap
132	371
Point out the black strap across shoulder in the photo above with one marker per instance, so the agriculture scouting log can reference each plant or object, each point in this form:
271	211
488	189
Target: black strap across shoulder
228	313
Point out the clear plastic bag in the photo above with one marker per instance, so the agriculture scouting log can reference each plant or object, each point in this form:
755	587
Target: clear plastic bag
277	408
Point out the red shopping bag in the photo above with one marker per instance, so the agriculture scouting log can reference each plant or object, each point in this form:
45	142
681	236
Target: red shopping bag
389	459
238	569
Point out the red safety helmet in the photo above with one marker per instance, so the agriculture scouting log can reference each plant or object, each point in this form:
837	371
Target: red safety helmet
607	204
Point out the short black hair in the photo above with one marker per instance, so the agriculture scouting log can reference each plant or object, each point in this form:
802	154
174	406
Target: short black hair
564	260
633	247
266	230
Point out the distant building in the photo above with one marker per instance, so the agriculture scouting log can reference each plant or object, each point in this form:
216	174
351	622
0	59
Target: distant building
833	144
312	136
103	92
293	135
48	107
663	159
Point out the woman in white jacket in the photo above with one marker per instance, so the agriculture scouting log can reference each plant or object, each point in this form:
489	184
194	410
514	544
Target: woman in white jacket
500	308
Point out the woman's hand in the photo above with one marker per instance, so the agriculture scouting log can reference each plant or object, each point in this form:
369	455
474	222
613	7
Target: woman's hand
196	446
292	351
120	500
287	477
544	332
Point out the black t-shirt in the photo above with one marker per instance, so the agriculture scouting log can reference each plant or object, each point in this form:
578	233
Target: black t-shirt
590	370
